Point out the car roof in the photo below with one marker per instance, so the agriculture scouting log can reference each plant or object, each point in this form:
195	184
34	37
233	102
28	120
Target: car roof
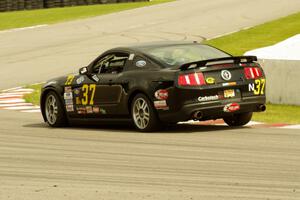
138	47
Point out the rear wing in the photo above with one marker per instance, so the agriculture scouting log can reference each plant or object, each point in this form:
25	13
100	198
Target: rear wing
216	61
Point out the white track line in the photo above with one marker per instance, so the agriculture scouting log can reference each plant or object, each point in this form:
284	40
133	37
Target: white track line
15	105
31	111
291	126
21	108
11	89
19	100
8	96
23	29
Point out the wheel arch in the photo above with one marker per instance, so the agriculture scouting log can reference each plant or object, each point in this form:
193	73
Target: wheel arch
133	94
43	99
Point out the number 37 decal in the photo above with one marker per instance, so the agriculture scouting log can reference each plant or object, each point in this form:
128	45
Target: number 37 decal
88	94
258	87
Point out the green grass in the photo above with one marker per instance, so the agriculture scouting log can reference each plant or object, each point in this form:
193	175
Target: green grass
34	97
259	36
18	19
279	114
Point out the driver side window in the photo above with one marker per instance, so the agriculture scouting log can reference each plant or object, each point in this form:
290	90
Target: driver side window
111	63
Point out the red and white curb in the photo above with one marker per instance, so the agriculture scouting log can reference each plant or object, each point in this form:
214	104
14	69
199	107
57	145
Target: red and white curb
12	99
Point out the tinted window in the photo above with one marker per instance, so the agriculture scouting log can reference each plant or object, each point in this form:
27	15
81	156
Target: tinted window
111	63
176	55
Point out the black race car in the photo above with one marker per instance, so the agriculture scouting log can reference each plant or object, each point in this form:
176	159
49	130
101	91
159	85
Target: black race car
158	83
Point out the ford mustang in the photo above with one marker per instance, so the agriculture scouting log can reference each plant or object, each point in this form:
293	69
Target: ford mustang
156	84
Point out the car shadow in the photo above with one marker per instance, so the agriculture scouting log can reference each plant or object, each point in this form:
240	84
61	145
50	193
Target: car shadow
125	128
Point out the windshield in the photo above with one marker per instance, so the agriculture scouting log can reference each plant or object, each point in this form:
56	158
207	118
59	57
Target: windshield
177	55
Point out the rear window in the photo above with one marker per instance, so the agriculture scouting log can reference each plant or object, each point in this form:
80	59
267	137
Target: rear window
176	55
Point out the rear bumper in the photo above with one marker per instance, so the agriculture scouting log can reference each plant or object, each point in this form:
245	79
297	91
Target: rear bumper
212	110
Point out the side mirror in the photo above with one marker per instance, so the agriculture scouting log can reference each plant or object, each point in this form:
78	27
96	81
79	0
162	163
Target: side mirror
83	70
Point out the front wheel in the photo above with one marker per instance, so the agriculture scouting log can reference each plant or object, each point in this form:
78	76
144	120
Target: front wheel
54	111
144	115
238	119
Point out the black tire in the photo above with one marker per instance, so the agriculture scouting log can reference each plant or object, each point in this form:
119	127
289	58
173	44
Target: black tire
238	119
144	115
54	110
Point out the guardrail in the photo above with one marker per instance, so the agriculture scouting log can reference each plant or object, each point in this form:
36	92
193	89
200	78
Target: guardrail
283	81
13	5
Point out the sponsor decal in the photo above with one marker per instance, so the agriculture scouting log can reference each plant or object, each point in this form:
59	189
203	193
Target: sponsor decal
96	109
210	80
162	104
81	110
229	93
80	80
68	95
68	89
229	84
89	109
208	98
70	108
69	101
102	111
131	56
141	63
258	87
232	107
226	75
76	92
161	94
95	78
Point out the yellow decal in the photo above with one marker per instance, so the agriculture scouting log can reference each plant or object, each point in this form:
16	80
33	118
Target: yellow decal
69	80
258	87
88	94
78	101
210	80
92	91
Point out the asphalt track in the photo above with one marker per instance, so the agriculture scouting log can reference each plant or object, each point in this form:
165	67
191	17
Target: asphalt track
116	162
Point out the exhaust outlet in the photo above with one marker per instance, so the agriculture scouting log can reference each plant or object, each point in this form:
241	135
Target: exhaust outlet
198	115
262	108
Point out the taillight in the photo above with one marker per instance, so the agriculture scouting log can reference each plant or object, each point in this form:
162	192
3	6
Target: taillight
252	72
194	79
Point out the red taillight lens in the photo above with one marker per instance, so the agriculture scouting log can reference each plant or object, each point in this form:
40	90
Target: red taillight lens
252	72
194	79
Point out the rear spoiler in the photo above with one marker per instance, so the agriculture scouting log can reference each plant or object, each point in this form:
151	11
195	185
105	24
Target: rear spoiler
216	61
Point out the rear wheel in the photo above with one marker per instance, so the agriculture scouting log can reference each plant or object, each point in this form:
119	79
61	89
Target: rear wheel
144	115
54	111
238	119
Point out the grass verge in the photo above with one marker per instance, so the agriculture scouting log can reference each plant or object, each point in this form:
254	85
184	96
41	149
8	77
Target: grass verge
18	19
34	97
279	114
259	36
